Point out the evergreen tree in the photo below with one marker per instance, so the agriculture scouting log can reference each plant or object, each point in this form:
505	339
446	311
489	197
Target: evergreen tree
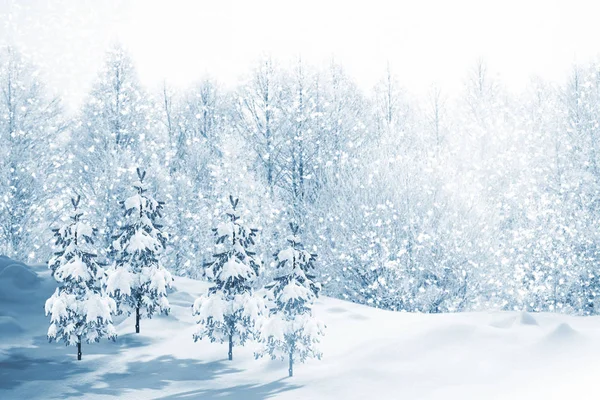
79	308
139	281
292	330
111	134
230	310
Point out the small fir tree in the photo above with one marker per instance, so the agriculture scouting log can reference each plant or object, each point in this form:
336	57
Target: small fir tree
139	281
79	308
230	310
291	330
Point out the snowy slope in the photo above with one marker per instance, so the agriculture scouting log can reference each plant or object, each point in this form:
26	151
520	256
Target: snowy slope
368	353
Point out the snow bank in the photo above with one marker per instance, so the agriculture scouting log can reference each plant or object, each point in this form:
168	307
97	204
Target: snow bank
563	333
22	296
526	318
16	279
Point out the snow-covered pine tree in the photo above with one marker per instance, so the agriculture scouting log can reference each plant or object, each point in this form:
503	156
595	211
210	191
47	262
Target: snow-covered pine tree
79	308
138	281
292	330
230	310
115	130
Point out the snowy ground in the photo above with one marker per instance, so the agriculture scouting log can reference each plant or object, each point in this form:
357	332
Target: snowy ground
368	353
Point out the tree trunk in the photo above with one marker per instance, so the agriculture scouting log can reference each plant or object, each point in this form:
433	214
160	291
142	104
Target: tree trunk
291	367
137	320
230	347
79	349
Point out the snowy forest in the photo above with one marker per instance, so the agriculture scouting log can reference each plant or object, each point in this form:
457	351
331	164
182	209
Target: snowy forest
292	200
484	199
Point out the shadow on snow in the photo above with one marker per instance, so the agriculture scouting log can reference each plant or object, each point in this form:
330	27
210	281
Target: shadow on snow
57	363
155	374
19	368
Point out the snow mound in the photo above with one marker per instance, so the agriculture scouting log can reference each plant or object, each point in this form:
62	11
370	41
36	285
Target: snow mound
22	296
503	321
181	298
563	332
527	319
16	279
5	262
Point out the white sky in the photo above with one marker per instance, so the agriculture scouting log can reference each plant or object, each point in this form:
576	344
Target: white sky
424	40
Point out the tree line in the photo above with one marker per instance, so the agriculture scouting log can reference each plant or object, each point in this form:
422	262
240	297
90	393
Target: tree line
447	202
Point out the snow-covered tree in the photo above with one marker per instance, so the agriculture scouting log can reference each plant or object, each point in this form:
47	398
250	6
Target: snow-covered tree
139	281
111	135
30	126
299	163
230	310
260	120
193	122
79	308
292	330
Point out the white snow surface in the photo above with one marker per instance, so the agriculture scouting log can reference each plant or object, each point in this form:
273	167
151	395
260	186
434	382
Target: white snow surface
367	353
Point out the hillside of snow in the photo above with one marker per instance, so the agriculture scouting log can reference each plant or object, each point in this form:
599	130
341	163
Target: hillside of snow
368	353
